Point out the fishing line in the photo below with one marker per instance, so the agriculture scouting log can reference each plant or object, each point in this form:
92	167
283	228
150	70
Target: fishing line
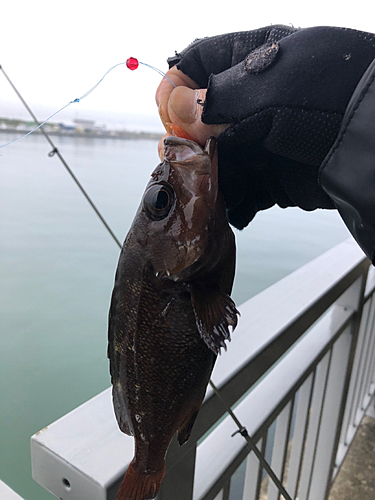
252	445
131	63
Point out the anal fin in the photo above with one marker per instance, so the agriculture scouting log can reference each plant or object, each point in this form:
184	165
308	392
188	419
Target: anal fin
184	431
120	411
214	312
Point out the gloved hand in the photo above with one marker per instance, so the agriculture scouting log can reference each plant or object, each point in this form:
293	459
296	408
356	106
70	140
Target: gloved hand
277	97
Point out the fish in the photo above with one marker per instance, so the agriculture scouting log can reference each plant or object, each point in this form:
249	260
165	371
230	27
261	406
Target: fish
171	311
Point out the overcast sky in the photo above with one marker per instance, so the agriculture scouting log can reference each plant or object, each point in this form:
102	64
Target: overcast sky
56	51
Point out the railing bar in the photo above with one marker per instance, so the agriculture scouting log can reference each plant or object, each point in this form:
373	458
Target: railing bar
354	338
356	399
278	455
369	276
319	424
357	403
364	313
331	416
371	367
353	391
307	422
368	353
226	490
372	379
369	379
251	475
368	359
312	430
287	441
260	471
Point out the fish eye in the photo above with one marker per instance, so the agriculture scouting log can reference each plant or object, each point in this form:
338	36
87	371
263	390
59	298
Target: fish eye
158	201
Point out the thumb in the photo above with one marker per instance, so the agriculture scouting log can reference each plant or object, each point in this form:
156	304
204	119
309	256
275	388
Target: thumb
185	110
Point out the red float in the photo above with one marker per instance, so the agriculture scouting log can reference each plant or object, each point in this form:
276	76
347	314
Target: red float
132	63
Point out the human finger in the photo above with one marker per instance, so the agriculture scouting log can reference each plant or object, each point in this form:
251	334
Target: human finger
165	88
185	107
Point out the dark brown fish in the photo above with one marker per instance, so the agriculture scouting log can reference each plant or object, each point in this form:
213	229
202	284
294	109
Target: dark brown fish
170	309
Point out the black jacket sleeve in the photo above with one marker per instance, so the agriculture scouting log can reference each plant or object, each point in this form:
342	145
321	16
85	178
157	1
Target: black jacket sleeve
348	172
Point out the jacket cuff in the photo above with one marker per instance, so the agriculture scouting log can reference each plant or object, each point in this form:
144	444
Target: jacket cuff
347	173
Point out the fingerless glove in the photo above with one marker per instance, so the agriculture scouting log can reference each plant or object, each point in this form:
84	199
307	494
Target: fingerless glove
284	93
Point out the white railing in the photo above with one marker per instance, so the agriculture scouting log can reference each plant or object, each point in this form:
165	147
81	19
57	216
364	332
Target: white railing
299	374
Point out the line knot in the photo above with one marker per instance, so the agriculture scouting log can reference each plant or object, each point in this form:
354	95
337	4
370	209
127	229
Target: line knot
53	152
242	431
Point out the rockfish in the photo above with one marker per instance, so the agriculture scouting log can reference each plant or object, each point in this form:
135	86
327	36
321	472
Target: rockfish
170	311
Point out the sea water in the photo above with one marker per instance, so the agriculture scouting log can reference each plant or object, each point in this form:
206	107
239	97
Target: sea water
57	264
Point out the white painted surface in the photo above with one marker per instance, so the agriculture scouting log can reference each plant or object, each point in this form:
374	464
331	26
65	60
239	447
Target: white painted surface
8	494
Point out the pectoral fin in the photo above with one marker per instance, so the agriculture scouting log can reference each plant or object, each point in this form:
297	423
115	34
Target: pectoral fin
214	312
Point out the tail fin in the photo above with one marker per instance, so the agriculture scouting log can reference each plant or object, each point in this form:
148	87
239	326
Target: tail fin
140	486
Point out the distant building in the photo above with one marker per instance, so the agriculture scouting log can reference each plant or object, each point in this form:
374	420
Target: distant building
66	128
82	125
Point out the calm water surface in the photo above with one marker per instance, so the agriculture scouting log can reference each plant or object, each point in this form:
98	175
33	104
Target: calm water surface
57	264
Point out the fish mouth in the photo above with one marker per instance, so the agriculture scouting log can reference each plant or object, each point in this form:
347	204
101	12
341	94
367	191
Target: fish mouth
164	274
183	267
181	274
161	274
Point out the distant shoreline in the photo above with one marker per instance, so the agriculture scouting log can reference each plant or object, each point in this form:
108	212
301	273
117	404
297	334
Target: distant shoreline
117	135
21	127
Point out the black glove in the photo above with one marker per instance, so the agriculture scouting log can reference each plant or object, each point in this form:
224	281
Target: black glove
284	92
